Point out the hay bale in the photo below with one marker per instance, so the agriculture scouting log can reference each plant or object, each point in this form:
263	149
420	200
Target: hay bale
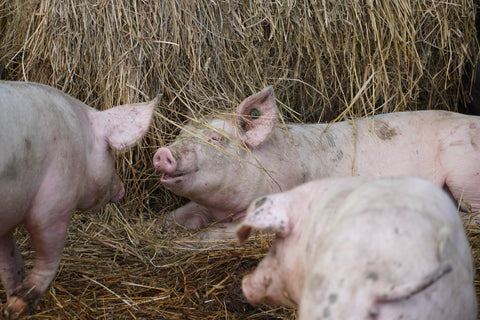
326	60
391	55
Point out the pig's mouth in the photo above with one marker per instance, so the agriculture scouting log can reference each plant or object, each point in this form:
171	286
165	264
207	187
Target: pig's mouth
172	178
176	178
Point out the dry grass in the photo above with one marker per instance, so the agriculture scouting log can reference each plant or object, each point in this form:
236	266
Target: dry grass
324	58
115	270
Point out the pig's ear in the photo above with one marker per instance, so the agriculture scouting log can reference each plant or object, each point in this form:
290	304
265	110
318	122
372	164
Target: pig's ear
257	116
264	215
122	126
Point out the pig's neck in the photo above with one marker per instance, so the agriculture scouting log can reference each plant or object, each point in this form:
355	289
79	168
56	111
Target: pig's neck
300	153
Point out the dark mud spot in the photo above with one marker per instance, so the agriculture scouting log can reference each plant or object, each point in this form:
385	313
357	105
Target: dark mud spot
384	131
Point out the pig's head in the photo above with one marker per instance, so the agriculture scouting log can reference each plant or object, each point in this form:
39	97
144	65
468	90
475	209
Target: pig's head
211	162
111	130
279	276
300	218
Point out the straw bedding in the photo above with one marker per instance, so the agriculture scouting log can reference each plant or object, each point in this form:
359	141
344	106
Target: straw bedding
326	59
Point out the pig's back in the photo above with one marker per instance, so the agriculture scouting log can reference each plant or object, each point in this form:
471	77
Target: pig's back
401	143
390	235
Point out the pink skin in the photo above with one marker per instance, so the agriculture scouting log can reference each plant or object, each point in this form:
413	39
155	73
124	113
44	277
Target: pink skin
57	158
349	248
223	167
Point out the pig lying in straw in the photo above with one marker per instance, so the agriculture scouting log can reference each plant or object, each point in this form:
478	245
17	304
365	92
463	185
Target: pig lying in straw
226	165
56	158
347	248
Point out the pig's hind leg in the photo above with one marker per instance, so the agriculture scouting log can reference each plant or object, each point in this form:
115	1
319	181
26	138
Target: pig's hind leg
465	190
461	164
12	270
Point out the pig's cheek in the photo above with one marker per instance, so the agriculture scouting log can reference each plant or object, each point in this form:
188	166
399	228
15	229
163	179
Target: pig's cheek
119	193
111	191
115	191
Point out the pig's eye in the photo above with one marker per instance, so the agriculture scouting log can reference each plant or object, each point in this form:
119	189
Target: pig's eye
254	113
216	139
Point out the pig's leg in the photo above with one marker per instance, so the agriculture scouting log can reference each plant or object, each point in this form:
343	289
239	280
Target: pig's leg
191	216
461	162
48	239
12	270
465	191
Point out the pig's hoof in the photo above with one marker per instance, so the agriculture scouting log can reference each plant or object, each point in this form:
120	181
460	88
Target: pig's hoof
188	220
170	221
15	308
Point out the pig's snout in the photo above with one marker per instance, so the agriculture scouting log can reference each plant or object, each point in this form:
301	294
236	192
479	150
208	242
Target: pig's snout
252	290
164	161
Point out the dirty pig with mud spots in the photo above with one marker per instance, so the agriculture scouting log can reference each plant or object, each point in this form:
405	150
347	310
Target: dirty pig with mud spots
224	165
56	157
351	248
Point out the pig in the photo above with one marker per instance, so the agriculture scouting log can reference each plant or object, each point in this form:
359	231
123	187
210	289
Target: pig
57	157
351	248
226	164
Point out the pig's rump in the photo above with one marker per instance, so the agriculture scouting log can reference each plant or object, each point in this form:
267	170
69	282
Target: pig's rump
404	260
438	146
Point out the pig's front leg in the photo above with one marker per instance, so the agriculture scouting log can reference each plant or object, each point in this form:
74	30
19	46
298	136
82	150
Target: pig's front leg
219	231
47	238
191	216
12	270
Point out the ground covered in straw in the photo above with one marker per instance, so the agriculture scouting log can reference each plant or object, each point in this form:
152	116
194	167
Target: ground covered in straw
116	266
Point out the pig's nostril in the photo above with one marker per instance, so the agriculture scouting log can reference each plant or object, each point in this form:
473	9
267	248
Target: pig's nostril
156	160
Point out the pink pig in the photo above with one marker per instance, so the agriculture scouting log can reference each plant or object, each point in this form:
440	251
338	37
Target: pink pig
56	158
347	248
224	166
